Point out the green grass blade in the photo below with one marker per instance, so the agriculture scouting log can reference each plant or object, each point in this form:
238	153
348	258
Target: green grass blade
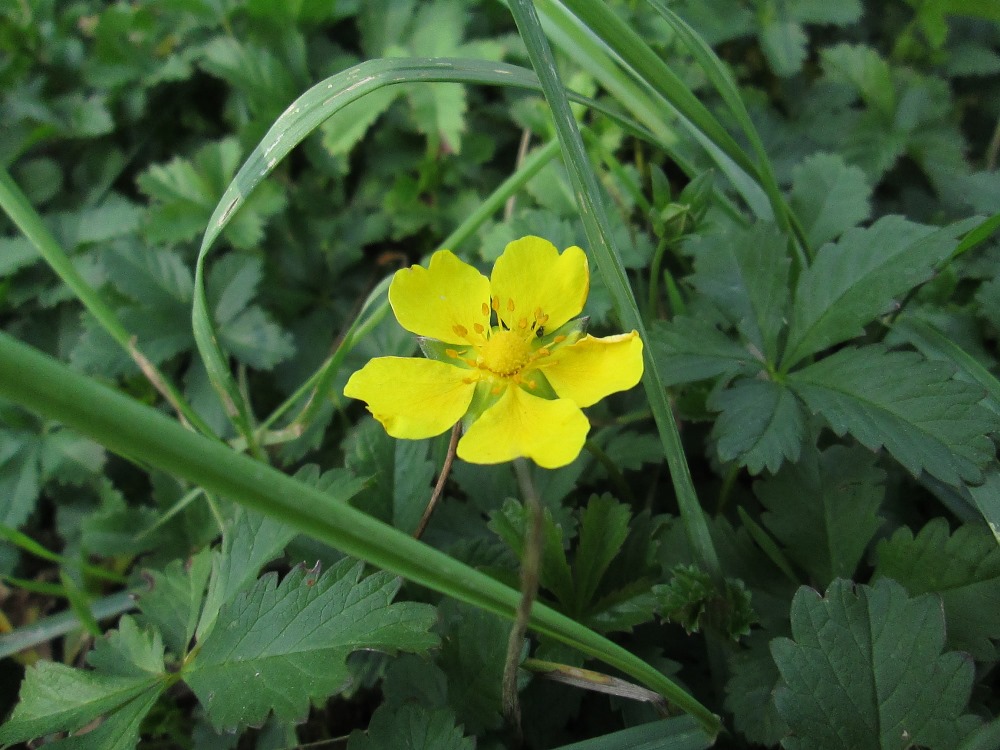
609	265
50	388
17	206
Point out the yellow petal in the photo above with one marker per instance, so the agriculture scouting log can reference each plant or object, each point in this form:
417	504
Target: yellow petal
442	300
531	275
551	433
412	398
592	368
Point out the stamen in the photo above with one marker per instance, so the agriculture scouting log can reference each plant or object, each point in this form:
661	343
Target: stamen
538	313
510	305
532	384
522	323
496	302
558	339
479	327
471	362
451	353
543	352
460	330
486	310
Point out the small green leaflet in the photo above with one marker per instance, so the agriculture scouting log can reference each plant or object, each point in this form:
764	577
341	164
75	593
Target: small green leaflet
279	645
689	350
924	418
411	727
829	197
864	671
962	568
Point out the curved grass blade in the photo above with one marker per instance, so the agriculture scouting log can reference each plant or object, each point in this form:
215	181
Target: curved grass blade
303	116
129	428
609	265
17	206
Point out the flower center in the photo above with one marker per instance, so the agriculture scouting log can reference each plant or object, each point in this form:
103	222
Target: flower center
505	353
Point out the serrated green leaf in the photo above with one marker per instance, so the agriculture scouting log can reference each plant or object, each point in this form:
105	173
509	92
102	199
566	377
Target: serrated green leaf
20	476
345	129
746	275
253	337
784	43
925	419
251	542
401	475
410	727
128	651
760	424
232	284
279	645
823	510
57	698
689	349
603	529
866	71
857	279
174	599
750	692
840	13
963	568
679	733
118	731
473	651
864	671
154	277
829	197
510	523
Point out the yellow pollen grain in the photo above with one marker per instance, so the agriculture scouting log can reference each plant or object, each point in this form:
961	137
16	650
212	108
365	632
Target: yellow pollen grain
479	327
522	323
543	352
558	339
451	353
496	302
510	305
532	384
460	330
486	309
538	313
495	390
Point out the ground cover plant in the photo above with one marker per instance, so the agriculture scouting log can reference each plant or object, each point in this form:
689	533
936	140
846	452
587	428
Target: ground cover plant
425	374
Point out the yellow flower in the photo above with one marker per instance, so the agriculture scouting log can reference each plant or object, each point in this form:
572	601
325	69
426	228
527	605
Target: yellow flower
506	356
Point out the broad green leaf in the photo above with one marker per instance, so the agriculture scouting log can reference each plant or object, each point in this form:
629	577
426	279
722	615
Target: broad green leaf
57	698
129	651
265	81
854	281
174	599
473	650
864	671
232	284
252	541
603	529
829	197
280	645
401	475
840	13
20	476
154	277
689	349
745	274
255	338
410	727
345	129
924	418
750	691
963	568
760	424
118	731
823	510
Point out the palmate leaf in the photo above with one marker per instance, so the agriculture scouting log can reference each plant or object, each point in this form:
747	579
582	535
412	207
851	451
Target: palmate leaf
822	509
864	671
856	280
925	419
174	599
280	645
962	568
750	691
829	197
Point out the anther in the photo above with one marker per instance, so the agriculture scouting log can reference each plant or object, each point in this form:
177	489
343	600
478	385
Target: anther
510	305
479	327
486	310
460	330
496	302
451	353
522	323
558	339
